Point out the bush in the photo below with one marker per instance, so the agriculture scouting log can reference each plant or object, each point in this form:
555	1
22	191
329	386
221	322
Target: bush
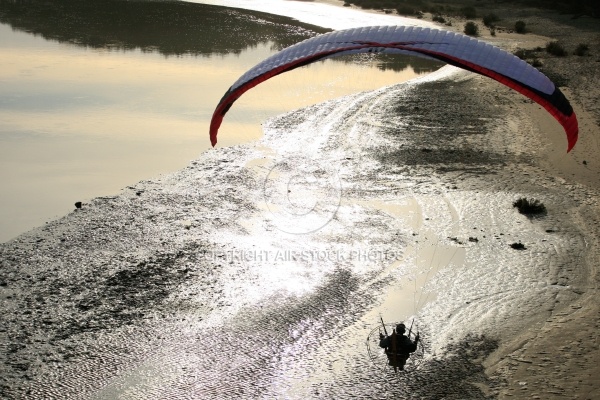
518	246
522	54
471	29
529	54
529	207
582	50
439	18
525	54
489	20
520	27
536	62
556	49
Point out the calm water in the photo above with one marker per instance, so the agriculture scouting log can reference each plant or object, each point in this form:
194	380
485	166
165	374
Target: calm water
125	91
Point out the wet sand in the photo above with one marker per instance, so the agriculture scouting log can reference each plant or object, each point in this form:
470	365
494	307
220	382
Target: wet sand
135	295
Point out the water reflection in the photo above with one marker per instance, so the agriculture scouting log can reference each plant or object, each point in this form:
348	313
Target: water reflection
169	27
79	119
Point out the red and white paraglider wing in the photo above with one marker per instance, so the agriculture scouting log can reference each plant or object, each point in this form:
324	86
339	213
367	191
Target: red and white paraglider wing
456	49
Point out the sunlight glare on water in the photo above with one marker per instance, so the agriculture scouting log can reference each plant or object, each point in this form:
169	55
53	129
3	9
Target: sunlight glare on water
319	13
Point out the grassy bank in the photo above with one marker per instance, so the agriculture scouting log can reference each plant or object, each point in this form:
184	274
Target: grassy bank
473	8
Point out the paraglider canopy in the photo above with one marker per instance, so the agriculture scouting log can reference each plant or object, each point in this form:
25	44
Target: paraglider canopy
453	48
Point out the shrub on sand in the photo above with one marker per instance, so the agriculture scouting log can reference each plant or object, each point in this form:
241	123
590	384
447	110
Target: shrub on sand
520	27
582	50
529	207
522	54
471	29
439	18
518	246
536	62
556	49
